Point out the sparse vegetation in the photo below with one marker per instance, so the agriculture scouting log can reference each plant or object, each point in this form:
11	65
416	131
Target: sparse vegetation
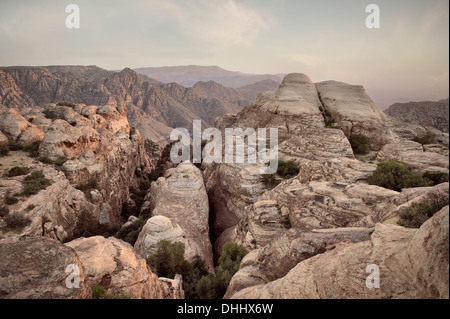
427	138
88	226
60	161
99	292
16	221
436	178
285	170
50	114
418	213
17	171
14	146
68	104
35	182
396	176
360	144
11	200
197	282
32	149
4	151
130	234
45	159
4	210
88	186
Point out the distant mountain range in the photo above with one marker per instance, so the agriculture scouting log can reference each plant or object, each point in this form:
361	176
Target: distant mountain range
154	108
435	114
190	75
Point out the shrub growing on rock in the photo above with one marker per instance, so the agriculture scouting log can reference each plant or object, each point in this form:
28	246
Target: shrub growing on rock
285	170
436	178
396	176
4	151
427	138
418	213
359	143
17	171
35	182
16	221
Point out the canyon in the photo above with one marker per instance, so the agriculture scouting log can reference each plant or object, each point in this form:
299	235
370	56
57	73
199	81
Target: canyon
310	235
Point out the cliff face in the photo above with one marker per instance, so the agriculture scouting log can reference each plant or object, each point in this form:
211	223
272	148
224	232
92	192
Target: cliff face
435	114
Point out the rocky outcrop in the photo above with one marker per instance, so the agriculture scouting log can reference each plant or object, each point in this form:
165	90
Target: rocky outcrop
181	197
412	264
36	269
277	258
427	113
114	265
103	157
15	127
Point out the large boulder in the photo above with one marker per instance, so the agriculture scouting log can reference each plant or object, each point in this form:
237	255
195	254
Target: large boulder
412	264
37	268
114	265
181	196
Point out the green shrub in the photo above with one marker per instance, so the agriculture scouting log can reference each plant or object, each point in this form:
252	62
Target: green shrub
50	114
396	176
360	144
418	213
61	160
45	159
14	146
16	221
4	151
98	292
30	207
88	226
32	149
197	282
34	182
17	171
90	185
285	170
427	138
4	210
131	233
11	200
436	178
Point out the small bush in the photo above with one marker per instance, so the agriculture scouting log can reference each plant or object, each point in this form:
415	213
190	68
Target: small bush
14	146
16	221
30	207
4	210
88	226
32	149
98	292
50	114
60	161
35	182
427	138
45	159
418	213
17	171
285	170
90	185
360	144
11	200
131	233
436	178
396	176
4	151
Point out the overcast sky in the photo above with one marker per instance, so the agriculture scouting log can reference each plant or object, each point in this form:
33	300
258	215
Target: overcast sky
406	59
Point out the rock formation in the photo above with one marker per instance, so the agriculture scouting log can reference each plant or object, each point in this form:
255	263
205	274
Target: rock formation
412	264
180	196
435	114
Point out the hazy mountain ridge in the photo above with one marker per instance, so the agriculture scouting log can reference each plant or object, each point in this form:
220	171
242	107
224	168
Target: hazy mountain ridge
429	113
172	105
190	75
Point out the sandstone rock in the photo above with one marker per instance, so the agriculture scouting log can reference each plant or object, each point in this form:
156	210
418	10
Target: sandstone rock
114	265
412	264
355	112
156	229
12	124
276	259
413	155
181	196
36	269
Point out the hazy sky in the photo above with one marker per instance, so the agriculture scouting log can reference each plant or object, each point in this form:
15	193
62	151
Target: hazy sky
406	59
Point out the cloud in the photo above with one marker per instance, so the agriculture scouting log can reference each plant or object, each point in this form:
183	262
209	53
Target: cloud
307	60
217	22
